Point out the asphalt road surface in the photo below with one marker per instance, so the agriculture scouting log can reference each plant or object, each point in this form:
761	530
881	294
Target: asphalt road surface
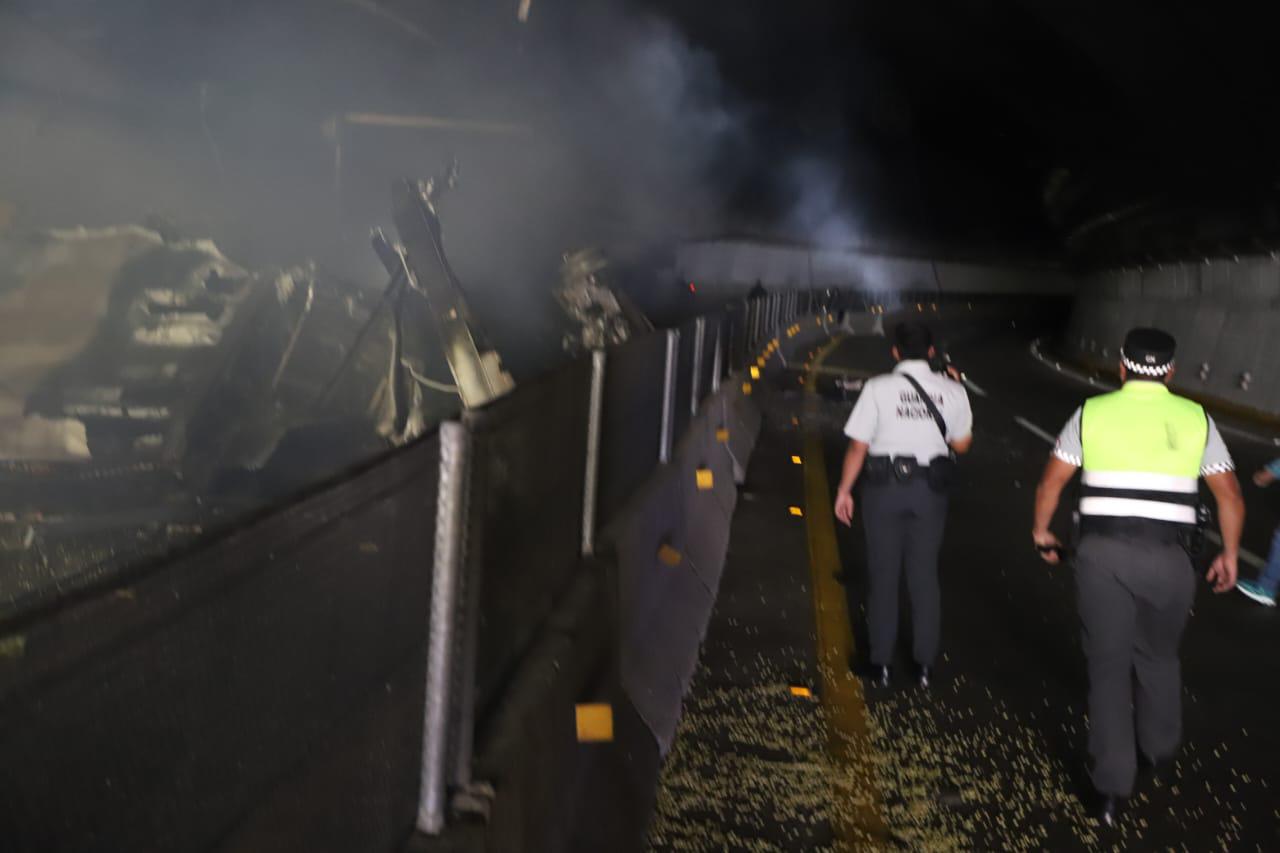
993	756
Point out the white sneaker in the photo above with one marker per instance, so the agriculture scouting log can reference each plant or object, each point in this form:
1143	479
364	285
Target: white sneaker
1257	592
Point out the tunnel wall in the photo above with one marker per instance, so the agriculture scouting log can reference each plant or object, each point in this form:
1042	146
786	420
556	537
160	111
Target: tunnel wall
1223	313
729	268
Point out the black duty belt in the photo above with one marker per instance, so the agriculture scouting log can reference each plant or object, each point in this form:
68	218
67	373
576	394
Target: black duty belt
896	469
1138	529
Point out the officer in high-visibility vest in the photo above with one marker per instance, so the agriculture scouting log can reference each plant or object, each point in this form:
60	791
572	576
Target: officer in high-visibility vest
1142	449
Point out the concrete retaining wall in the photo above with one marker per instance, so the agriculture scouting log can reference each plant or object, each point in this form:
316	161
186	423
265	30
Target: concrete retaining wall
1223	314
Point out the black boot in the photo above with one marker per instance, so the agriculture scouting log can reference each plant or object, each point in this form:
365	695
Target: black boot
1106	809
1157	770
878	676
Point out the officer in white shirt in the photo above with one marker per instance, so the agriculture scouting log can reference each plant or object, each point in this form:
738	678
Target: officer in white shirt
902	447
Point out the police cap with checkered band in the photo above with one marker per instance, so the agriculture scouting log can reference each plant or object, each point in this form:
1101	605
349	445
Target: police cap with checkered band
1148	352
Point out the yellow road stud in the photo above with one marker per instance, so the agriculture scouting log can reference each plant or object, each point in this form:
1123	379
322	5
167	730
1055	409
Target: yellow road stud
795	460
705	479
746	389
595	722
755	372
669	556
801	692
722	435
796	511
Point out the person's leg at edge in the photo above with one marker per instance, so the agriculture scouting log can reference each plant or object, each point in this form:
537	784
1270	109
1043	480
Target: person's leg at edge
1269	579
923	544
1161	620
883	522
1108	625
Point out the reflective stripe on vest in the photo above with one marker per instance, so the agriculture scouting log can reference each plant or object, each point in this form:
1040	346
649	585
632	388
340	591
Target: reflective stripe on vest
1142	452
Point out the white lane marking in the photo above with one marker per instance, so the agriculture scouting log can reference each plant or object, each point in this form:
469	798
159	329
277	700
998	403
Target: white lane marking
1245	554
1066	371
973	386
1034	430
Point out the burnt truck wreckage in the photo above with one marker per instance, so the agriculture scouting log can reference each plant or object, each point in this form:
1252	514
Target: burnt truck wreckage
151	388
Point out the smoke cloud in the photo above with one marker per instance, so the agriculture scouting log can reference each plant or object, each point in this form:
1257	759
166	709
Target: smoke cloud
616	133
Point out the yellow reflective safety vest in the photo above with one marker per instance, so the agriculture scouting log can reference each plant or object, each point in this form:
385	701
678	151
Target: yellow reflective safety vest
1143	447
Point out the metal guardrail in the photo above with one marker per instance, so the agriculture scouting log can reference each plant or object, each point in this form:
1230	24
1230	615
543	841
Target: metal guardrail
750	322
325	637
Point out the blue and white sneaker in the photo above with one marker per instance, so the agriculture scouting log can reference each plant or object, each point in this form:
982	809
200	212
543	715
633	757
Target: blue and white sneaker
1257	592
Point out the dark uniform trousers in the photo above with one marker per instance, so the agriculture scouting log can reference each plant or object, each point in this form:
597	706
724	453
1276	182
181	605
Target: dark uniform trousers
904	522
1134	599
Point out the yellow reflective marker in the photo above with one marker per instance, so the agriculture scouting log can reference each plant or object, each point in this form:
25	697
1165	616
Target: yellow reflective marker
795	460
760	361
595	722
755	372
796	511
669	556
802	692
705	479
722	435
746	389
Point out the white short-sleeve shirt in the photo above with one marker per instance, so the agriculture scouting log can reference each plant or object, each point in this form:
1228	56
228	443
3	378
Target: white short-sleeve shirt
891	418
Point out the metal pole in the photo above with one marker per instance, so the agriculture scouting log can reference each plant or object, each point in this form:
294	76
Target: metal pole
669	396
717	358
446	579
699	341
591	477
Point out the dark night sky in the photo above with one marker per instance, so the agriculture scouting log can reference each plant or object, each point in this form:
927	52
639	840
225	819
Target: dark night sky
1094	130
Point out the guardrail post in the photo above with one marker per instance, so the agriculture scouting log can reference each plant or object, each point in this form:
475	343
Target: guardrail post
669	396
699	341
448	604
592	475
717	357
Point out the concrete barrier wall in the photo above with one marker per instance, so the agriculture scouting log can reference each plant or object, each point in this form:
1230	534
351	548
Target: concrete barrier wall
729	268
670	547
1222	312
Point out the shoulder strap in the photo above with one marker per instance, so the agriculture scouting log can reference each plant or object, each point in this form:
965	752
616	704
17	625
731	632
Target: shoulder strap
928	401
